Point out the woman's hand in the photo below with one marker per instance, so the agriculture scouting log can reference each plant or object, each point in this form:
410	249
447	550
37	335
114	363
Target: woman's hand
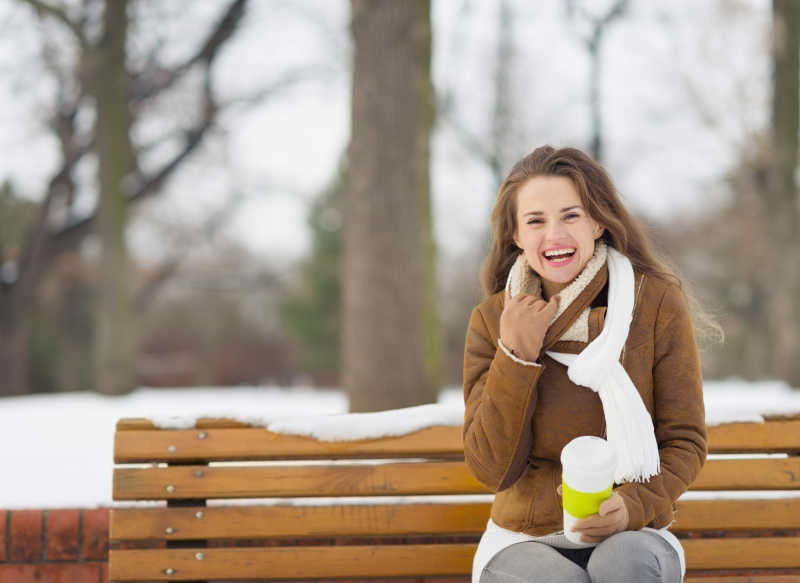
610	519
523	324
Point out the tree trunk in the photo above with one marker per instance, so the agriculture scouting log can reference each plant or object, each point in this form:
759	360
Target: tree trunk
391	334
782	202
114	344
595	101
14	347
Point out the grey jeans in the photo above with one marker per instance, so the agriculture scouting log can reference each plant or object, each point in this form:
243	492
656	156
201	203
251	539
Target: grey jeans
630	556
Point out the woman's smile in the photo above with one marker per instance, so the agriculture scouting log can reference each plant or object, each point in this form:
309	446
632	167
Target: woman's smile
559	257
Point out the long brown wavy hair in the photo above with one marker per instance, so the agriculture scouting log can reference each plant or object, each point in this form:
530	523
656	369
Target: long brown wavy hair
600	200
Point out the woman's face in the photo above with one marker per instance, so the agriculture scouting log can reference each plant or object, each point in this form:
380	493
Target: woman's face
554	230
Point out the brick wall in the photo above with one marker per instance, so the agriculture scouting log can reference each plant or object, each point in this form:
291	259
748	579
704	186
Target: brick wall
54	546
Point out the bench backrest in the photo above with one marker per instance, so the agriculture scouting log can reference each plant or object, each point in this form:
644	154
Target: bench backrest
238	502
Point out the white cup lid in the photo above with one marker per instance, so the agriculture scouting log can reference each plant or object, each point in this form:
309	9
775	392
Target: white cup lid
589	453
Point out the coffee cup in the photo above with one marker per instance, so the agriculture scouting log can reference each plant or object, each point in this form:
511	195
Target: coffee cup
588	464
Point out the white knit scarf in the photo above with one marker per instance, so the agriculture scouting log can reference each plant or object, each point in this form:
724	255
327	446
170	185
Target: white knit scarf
629	427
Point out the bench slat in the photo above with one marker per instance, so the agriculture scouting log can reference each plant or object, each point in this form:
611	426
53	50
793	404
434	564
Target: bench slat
400	560
242	522
392	479
298	521
742	553
137	440
771	437
755	514
259	444
292	562
749	474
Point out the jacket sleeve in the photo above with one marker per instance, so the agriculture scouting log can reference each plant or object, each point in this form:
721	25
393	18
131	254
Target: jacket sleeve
679	417
500	397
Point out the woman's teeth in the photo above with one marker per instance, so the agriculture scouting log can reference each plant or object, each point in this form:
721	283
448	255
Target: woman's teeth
559	255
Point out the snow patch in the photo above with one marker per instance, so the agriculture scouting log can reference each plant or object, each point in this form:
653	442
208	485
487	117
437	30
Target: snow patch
735	400
342	427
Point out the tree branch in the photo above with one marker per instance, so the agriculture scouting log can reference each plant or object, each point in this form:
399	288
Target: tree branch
283	82
600	24
144	295
35	256
222	32
140	187
597	24
474	144
44	9
616	11
144	87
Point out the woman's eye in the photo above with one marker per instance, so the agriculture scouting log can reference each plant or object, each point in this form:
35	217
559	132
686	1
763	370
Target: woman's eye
571	216
534	221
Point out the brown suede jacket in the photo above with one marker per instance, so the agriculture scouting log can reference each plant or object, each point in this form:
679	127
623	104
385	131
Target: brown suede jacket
518	417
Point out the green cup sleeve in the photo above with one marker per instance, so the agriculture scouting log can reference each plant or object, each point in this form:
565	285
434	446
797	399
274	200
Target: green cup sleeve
583	504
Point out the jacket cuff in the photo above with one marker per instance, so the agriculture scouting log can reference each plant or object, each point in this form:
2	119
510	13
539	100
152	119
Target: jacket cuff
514	358
636	518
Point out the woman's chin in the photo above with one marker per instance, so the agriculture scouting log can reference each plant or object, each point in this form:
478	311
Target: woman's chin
560	276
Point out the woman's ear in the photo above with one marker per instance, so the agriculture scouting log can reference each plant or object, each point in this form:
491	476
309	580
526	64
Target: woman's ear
598	232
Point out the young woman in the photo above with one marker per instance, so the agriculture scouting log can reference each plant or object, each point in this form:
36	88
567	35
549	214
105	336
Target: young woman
584	332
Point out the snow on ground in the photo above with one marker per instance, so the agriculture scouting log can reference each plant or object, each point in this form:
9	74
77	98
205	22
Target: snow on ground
56	450
734	400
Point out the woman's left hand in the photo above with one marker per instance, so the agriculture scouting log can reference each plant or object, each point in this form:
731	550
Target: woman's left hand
610	519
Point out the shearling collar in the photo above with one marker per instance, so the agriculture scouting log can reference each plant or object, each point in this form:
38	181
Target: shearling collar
573	324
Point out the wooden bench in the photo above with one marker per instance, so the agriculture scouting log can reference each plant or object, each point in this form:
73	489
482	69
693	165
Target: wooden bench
396	506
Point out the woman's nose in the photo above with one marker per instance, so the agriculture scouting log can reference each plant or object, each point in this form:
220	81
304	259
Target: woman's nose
555	231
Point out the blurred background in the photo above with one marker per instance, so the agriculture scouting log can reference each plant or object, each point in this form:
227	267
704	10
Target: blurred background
297	193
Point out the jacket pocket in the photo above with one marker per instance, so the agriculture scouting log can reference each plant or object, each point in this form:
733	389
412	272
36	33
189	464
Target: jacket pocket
532	502
513	506
547	509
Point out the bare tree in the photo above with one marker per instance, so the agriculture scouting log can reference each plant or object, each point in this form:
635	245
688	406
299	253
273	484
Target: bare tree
495	153
391	338
741	253
593	41
118	91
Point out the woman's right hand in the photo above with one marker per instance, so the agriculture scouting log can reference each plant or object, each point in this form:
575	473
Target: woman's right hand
524	322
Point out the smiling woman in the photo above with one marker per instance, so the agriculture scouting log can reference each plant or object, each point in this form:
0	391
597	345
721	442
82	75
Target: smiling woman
585	331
